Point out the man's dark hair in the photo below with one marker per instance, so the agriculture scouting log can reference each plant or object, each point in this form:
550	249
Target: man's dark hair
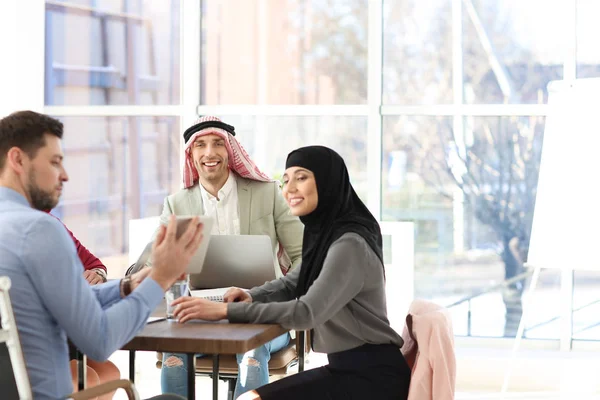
25	130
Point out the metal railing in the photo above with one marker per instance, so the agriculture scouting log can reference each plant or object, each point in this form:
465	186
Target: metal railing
540	324
482	292
507	283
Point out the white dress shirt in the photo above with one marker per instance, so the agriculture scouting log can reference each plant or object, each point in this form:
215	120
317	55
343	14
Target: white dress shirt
223	209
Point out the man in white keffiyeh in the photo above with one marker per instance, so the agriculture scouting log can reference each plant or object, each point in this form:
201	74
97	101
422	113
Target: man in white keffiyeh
221	180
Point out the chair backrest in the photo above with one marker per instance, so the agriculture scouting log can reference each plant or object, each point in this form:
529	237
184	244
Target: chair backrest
410	348
14	381
428	334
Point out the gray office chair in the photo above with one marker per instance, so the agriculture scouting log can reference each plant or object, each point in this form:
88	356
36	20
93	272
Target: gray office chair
14	381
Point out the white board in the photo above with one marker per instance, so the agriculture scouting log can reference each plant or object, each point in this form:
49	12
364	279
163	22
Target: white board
566	220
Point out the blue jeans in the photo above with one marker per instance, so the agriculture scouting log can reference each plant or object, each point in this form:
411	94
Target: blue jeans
253	368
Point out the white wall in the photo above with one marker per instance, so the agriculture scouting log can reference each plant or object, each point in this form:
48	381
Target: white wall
400	273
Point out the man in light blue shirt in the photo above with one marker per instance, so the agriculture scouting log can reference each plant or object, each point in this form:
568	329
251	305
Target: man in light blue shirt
50	298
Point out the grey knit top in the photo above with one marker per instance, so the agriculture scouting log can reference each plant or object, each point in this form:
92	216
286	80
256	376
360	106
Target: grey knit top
345	306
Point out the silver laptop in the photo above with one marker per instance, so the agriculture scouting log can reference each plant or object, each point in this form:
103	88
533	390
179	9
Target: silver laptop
244	261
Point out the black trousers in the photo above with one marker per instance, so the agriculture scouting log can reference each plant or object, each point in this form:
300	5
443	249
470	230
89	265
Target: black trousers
369	371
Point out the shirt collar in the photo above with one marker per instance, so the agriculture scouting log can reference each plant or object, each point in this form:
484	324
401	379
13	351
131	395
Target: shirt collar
229	185
13	195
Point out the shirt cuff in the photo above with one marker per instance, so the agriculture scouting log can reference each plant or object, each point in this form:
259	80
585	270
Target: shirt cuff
150	292
236	312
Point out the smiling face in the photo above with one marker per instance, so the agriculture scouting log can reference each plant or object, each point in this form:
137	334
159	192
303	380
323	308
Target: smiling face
211	159
300	191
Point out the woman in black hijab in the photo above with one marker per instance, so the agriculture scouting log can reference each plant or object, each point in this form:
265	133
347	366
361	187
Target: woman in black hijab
338	292
339	211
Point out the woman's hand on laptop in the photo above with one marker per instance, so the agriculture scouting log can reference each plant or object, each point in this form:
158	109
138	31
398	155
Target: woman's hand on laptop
187	308
234	295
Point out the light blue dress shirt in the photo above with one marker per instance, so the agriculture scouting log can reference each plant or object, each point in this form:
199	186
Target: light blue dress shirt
52	301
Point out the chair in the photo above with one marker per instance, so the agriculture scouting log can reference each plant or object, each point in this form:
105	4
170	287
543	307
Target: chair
294	353
429	351
14	380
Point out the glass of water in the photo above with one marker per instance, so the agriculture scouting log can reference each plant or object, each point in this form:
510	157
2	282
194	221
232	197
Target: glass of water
180	288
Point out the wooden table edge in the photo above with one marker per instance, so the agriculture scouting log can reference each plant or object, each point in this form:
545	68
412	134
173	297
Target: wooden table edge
219	346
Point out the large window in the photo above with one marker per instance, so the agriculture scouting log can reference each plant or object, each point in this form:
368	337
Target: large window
588	57
119	168
103	60
269	139
462	135
455	97
284	52
509	52
112	52
438	107
417	52
586	305
468	193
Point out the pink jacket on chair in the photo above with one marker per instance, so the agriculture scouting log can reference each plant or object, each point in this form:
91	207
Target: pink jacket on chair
429	350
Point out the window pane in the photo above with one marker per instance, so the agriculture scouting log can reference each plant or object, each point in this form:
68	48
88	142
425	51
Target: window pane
284	52
588	32
510	51
268	140
471	197
104	191
105	58
586	303
417	52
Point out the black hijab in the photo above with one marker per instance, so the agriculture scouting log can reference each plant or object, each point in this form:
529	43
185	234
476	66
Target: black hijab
339	211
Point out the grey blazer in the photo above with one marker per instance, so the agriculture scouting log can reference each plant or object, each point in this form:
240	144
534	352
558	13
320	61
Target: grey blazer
263	211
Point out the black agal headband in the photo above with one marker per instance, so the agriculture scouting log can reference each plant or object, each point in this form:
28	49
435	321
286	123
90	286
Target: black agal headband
189	132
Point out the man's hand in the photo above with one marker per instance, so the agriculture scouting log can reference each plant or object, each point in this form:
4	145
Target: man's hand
171	255
139	277
187	308
237	295
92	277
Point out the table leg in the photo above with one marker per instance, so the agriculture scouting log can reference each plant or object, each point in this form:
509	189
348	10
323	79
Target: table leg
191	358
132	365
301	350
215	377
81	370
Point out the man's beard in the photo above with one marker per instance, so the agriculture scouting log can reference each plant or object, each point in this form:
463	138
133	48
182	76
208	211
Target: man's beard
40	199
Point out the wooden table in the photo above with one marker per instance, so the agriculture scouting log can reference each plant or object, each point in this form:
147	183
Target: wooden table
199	337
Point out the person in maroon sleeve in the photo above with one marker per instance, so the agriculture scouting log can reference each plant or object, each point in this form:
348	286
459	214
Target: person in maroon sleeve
95	273
93	270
